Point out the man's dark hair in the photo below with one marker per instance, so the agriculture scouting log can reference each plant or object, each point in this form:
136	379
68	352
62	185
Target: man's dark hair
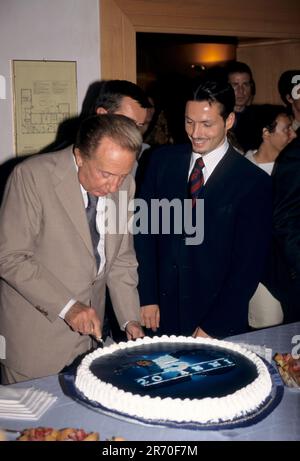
285	85
102	93
241	68
109	94
122	130
266	115
216	91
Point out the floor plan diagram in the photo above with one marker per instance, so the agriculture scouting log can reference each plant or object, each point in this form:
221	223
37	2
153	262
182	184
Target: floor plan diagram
45	94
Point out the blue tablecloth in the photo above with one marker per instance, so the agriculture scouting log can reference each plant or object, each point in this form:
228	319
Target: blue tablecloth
282	424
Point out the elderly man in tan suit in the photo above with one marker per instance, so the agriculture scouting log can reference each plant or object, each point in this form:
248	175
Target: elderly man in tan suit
52	294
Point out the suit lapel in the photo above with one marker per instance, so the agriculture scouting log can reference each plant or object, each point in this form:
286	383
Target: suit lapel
175	178
184	173
69	193
116	218
113	222
220	173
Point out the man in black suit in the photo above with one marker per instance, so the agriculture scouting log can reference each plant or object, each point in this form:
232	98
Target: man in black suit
289	89
241	79
283	276
203	288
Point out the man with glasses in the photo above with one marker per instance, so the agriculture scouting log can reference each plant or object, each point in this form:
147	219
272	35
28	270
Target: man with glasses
105	96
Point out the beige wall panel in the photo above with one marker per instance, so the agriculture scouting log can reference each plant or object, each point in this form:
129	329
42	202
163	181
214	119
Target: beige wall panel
267	62
219	17
118	43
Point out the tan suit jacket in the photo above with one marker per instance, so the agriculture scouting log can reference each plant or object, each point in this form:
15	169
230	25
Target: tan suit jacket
46	259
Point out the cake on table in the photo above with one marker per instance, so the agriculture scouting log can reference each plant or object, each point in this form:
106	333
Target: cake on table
176	379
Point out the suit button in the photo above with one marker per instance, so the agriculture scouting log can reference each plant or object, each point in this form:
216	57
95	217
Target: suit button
174	266
293	275
164	294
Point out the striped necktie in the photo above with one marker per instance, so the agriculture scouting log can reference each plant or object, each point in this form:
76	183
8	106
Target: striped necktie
196	180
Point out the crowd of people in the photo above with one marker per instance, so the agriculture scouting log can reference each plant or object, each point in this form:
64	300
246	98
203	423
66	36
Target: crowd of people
220	256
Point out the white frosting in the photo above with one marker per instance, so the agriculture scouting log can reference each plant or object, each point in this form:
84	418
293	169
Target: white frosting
238	404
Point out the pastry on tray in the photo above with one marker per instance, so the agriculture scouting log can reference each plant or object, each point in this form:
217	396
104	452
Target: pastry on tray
49	434
289	369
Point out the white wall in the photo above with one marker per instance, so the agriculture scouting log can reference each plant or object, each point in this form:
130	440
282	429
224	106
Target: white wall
46	29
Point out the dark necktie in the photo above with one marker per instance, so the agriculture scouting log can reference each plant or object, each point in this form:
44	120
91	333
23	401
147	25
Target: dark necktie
196	180
91	212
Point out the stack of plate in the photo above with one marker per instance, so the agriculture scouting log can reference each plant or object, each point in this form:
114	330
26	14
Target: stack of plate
24	403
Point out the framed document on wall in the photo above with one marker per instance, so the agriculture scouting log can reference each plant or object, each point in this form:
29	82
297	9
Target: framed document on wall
45	94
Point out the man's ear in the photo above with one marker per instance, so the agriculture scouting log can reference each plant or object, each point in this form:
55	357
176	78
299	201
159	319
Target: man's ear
265	133
78	157
101	110
289	98
230	121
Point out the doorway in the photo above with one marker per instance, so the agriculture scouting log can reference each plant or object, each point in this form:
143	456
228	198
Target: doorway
120	20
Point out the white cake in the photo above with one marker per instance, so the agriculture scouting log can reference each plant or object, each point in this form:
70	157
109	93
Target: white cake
176	379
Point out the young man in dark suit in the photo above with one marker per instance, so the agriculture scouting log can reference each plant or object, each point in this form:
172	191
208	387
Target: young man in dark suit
203	287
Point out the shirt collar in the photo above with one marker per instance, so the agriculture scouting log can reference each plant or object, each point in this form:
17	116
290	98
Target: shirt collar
83	191
211	159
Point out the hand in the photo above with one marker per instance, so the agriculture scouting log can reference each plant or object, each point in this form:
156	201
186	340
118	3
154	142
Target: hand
150	316
134	330
84	320
200	333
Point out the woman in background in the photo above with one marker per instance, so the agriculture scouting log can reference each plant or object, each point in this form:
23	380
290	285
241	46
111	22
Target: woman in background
276	133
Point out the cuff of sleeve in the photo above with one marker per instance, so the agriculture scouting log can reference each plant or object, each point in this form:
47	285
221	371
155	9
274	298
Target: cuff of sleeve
123	328
67	308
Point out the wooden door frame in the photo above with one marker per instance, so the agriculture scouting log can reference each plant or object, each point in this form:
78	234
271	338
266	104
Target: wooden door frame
121	19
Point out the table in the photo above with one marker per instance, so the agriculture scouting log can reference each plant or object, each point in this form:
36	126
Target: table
282	424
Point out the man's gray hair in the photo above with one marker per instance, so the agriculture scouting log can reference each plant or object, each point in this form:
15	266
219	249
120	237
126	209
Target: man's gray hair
122	130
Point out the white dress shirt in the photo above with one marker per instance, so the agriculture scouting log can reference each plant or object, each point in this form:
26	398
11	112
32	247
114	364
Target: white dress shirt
210	160
100	224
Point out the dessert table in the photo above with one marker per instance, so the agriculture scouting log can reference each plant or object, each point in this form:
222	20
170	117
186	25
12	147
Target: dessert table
281	424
